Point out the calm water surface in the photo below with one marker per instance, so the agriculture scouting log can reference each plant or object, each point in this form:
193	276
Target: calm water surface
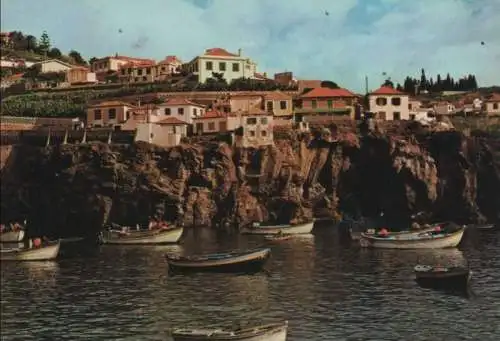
325	289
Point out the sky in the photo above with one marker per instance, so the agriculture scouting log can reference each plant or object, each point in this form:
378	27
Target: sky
338	40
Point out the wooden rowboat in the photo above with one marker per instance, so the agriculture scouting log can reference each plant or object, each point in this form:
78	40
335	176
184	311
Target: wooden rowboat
134	237
270	332
455	278
304	228
49	251
248	261
423	240
12	236
278	237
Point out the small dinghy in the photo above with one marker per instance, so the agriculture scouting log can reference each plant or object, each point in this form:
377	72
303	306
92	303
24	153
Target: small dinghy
269	332
303	228
248	261
130	236
278	237
439	277
49	251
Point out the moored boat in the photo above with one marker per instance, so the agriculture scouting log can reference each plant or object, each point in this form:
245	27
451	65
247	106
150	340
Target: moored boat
247	261
269	332
482	226
134	237
49	251
278	237
455	278
422	240
303	228
12	236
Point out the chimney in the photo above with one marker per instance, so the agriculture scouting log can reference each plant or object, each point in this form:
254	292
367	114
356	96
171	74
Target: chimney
239	52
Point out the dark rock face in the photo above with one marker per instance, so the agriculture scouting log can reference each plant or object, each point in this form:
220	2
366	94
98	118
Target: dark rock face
74	189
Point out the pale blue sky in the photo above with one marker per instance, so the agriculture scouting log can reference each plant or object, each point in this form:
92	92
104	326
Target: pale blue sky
357	38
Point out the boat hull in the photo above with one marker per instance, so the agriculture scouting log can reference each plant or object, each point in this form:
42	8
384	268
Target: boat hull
250	263
438	242
454	280
44	253
12	236
277	333
305	228
170	236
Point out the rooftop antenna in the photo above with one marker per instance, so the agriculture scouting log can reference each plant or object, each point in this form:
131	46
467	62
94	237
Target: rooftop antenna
366	84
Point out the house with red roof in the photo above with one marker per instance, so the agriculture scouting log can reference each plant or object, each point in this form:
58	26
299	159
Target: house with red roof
492	105
168	67
211	122
279	104
219	61
80	75
389	104
111	64
321	104
112	114
167	132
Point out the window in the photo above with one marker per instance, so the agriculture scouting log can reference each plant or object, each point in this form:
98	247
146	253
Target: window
222	66
409	106
122	71
97	114
162	69
167	111
195	111
381	101
144	79
413	117
236	67
330	104
269	105
129	71
263	133
314	104
139	72
283	105
396	101
112	114
136	79
397	116
495	106
251	120
148	71
180	111
211	125
209	66
263	120
251	133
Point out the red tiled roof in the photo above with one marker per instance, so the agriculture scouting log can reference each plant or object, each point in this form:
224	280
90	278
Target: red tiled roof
494	98
327	92
171	121
112	104
182	101
170	60
217	51
386	90
277	95
212	114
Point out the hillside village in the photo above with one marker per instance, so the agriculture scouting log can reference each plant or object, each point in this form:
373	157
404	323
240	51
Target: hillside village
216	92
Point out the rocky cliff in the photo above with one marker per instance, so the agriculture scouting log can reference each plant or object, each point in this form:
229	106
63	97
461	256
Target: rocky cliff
70	189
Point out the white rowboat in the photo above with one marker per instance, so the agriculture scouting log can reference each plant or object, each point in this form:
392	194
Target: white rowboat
47	252
426	240
134	237
304	228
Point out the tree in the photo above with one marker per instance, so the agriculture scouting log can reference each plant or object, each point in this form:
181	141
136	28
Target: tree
77	57
44	44
388	83
329	84
54	53
30	43
423	81
92	60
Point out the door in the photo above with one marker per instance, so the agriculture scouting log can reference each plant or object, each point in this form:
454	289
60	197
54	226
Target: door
222	126
199	128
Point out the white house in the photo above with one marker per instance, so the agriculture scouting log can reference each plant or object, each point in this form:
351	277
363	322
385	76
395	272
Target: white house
492	105
182	109
52	65
165	133
212	122
389	104
252	129
216	60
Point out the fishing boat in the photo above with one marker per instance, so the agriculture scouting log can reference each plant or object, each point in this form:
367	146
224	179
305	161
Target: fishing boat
12	236
278	237
269	332
137	236
422	240
247	261
49	251
440	277
303	228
